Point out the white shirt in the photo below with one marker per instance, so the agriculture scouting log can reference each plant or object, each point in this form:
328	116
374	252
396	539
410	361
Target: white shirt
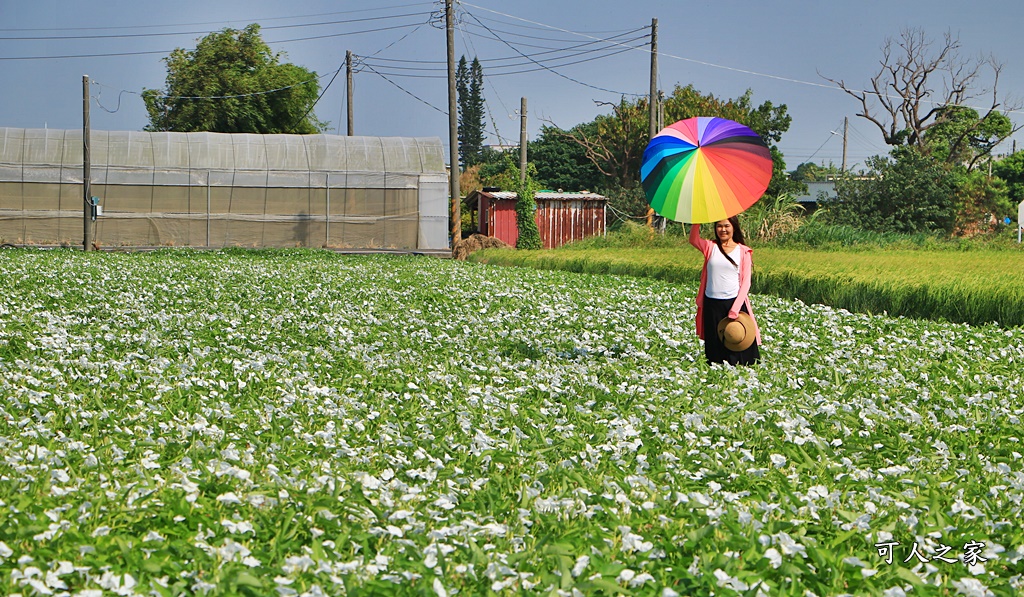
723	277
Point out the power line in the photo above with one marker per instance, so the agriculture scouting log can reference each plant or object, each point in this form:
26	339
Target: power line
411	94
542	66
487	105
317	100
211	97
166	34
549	69
165	52
437	65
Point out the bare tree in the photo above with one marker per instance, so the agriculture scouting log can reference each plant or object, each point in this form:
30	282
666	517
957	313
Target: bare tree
917	81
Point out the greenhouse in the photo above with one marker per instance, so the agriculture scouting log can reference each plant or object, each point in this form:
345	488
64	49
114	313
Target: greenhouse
219	190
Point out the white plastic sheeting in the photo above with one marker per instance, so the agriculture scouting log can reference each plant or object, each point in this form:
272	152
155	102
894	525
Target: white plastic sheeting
217	189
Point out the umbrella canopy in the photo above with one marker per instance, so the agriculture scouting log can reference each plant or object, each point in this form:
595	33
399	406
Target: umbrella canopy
705	169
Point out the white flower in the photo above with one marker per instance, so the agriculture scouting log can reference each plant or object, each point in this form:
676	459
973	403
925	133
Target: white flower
972	587
228	498
153	536
774	557
778	460
724	580
581	564
438	587
788	545
632	542
640	579
625	576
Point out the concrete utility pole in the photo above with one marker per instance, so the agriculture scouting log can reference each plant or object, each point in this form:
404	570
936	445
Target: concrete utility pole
86	169
846	131
453	125
522	140
349	93
654	78
653	105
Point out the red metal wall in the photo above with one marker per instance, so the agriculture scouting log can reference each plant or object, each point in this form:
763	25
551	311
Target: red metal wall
559	221
562	221
501	220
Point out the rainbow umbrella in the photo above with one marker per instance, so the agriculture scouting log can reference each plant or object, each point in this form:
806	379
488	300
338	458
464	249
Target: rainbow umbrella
705	169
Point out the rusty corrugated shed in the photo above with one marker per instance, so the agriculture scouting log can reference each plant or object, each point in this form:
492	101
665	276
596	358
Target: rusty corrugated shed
561	217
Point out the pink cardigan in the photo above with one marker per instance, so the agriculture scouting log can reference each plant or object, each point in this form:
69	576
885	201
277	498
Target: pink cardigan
706	246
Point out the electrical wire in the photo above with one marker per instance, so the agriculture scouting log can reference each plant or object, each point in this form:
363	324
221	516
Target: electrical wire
327	14
317	100
166	52
205	32
490	63
549	69
406	91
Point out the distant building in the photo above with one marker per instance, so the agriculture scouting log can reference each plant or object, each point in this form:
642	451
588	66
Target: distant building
818	193
561	217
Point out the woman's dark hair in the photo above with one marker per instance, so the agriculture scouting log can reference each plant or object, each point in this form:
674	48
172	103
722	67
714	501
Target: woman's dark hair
737	236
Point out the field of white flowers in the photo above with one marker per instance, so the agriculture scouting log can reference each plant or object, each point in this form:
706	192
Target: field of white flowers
301	423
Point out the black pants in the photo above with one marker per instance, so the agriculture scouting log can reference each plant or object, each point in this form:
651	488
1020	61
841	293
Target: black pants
715	310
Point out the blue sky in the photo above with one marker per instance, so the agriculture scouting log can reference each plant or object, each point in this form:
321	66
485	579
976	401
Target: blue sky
778	49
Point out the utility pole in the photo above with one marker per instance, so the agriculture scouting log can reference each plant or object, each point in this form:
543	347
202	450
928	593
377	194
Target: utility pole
653	100
522	140
86	169
846	130
453	124
350	94
654	78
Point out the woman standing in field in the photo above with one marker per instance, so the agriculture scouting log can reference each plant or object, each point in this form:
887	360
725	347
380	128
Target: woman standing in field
724	284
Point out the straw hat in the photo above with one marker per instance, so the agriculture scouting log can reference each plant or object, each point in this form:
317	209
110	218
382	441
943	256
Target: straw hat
737	334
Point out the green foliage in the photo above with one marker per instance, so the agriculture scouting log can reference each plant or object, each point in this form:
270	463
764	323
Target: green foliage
909	193
469	84
237	67
810	172
562	163
526	208
771	217
961	136
625	203
985	203
1011	170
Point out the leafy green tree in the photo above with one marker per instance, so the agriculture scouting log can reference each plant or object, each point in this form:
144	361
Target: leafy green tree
469	86
985	202
907	192
563	164
961	136
1011	170
233	83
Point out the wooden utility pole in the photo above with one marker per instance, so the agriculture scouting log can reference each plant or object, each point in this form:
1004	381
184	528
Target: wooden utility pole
654	78
846	131
522	140
86	169
349	93
453	125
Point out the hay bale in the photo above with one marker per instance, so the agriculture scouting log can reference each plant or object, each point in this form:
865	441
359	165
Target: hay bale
475	242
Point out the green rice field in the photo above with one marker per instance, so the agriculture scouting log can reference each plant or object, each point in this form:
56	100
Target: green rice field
303	423
976	286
